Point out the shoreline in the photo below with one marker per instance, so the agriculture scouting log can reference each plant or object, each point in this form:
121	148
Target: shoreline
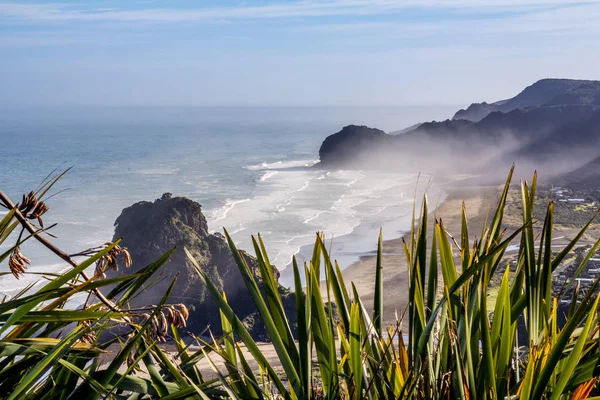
477	198
350	248
395	284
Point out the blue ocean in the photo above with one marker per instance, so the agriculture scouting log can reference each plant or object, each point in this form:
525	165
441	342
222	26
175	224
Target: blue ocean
250	168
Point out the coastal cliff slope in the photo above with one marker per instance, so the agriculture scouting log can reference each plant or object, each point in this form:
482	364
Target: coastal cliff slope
545	92
553	124
150	229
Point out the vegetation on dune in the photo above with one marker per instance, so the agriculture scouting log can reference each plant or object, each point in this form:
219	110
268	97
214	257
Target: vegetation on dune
450	343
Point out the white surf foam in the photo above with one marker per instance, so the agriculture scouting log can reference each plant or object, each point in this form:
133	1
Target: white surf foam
282	165
229	205
288	207
158	171
267	175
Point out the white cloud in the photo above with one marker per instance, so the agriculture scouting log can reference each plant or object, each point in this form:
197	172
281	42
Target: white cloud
471	51
62	12
582	20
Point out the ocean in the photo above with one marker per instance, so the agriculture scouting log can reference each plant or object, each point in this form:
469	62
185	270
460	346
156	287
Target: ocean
251	168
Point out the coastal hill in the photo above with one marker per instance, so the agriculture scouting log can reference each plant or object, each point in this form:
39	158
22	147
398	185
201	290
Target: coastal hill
150	229
545	92
553	124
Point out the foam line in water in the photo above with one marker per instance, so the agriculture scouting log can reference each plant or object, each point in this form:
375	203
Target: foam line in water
229	205
267	175
295	203
238	230
306	221
158	171
282	165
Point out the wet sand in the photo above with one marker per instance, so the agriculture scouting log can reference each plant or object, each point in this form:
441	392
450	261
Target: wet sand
395	273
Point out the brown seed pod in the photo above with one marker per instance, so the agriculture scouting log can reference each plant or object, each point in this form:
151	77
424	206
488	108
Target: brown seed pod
28	203
88	337
109	261
132	356
164	324
127	257
170	310
39	210
184	311
17	263
32	208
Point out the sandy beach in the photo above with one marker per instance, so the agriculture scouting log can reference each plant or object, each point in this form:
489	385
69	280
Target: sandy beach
362	273
478	200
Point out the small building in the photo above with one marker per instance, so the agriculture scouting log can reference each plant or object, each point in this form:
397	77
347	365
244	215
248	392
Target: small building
594	270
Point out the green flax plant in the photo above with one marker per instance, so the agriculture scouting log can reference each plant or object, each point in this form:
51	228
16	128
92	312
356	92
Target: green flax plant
449	345
50	348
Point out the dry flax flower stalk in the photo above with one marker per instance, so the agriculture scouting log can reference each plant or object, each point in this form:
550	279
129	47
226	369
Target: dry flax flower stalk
17	263
32	208
172	314
109	261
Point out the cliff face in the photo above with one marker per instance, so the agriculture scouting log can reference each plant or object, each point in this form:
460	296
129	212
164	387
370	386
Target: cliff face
150	229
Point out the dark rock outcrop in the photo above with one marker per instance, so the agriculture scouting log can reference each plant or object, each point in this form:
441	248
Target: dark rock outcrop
349	143
150	229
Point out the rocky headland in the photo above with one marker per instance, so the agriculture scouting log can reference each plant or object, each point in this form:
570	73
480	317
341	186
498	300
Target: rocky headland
552	125
151	229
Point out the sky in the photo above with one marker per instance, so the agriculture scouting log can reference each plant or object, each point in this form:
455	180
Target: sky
290	53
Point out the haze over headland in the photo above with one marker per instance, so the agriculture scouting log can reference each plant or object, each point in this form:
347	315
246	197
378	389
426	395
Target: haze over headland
551	125
289	53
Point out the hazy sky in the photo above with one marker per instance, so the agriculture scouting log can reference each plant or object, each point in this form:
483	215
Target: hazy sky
338	52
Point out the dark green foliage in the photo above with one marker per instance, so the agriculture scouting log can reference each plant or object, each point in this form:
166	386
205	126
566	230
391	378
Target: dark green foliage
459	345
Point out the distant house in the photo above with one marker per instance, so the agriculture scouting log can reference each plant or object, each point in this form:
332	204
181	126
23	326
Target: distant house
579	201
560	193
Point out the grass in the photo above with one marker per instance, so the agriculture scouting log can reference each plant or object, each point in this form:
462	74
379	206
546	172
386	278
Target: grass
450	343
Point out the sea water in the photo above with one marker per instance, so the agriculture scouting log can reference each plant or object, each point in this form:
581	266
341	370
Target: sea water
251	168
